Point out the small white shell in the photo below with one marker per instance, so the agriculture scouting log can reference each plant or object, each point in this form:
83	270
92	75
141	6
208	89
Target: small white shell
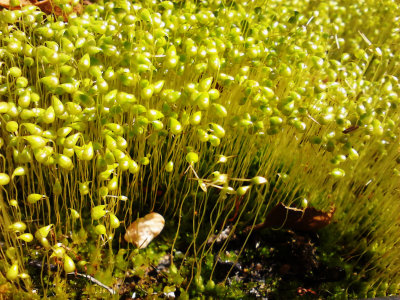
144	230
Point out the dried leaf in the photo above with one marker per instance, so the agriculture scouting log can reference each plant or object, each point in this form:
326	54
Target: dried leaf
6	4
47	6
309	219
144	230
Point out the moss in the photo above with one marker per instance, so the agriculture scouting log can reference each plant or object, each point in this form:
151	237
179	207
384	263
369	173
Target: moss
209	113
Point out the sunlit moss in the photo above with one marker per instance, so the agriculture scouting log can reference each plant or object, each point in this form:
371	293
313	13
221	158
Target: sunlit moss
207	112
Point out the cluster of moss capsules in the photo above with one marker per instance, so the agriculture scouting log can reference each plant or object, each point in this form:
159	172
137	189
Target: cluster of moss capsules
210	101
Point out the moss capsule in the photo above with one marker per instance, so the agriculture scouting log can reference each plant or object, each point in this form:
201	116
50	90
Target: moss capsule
19	171
214	63
84	188
105	174
50	82
17	227
44	242
219	110
98	212
153	115
300	126
169	167
12	272
15	72
14	203
69	265
338	173
133	167
84	63
36	142
275	121
24	99
74	213
144	161
42	155
114	222
65	162
4	179
33	198
202	135
175	126
157	86
71	141
353	154
113	184
147	92
49	115
43	232
205	84
58	251
315	140
214	140
258	180
4	107
192	158
195	119
103	191
242	190
217	130
100	229
203	101
57	105
26	237
157	125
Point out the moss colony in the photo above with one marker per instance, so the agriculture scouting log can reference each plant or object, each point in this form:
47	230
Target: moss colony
209	113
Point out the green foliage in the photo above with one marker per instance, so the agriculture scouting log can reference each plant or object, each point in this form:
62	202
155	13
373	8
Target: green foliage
193	109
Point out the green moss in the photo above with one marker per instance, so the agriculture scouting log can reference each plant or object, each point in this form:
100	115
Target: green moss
209	113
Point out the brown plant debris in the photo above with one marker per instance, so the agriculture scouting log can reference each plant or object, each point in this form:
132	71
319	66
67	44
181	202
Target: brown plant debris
308	219
47	6
6	4
142	231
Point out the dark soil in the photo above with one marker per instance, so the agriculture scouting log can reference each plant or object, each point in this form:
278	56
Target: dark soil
277	264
